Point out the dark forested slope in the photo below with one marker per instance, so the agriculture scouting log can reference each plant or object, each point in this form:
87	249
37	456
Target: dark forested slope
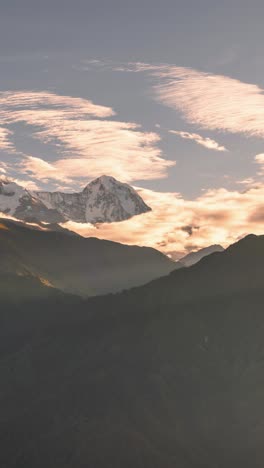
167	375
86	266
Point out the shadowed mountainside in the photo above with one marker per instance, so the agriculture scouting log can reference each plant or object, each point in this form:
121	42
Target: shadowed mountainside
85	266
194	257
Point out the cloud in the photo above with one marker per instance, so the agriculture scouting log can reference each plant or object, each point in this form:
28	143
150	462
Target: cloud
44	171
5	143
250	181
206	142
3	168
258	215
17	103
260	160
87	144
213	102
26	184
115	148
176	226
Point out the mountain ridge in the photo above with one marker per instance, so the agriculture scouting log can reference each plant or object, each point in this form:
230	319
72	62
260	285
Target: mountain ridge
75	264
195	256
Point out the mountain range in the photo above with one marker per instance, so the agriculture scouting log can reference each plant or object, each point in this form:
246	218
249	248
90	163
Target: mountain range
114	355
104	200
194	257
168	374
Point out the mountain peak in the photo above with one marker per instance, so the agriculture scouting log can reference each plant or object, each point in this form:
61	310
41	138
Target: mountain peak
105	180
110	200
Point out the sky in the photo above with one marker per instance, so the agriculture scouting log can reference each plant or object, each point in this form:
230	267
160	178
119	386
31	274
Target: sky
166	96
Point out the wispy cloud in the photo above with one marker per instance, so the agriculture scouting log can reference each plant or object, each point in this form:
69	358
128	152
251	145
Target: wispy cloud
18	103
207	100
214	102
3	168
260	160
26	184
102	146
42	170
5	143
200	140
249	181
87	144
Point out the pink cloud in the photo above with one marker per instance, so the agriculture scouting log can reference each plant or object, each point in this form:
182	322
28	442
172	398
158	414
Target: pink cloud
203	141
260	160
5	143
18	101
86	146
214	102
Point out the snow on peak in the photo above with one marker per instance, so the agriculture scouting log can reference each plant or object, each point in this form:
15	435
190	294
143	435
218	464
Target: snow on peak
106	181
10	196
103	200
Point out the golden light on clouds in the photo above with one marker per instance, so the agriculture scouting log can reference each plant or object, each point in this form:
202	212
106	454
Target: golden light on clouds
176	226
5	143
86	147
207	100
115	148
214	102
260	161
19	103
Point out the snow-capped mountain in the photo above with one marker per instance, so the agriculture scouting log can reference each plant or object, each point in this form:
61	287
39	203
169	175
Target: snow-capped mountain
104	200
